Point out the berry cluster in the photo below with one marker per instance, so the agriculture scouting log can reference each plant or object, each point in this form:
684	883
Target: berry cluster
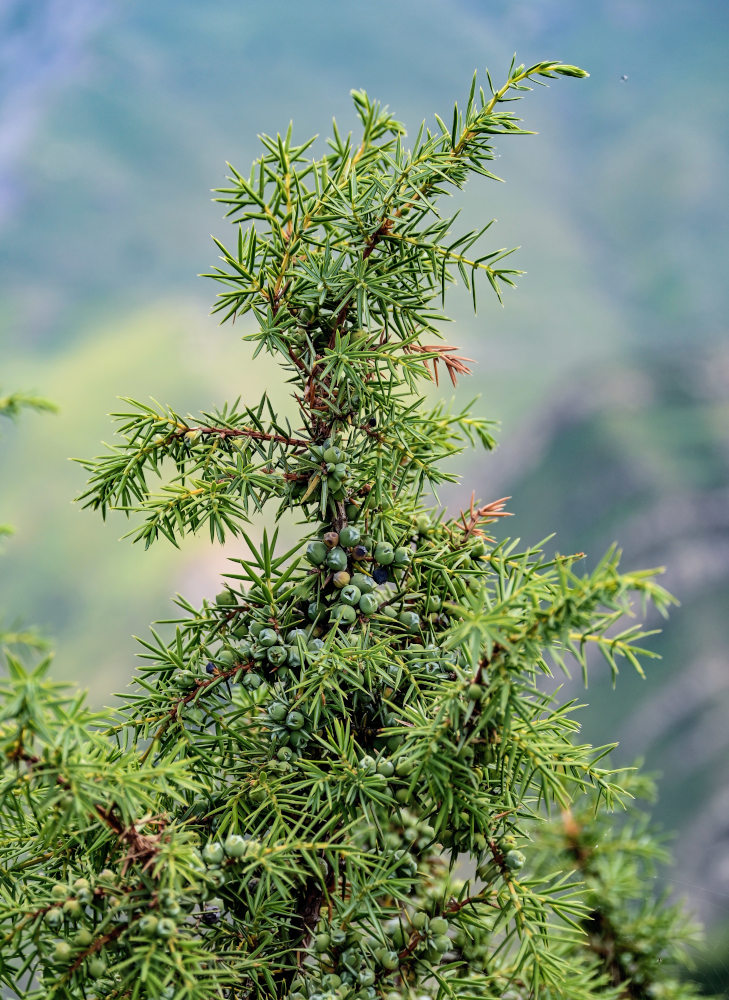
85	915
320	471
361	575
357	962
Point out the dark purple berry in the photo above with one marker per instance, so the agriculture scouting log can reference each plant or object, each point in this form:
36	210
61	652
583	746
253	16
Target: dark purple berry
360	551
210	667
379	574
211	917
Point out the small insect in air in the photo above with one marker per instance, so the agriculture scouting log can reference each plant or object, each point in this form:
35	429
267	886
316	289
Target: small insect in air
624	77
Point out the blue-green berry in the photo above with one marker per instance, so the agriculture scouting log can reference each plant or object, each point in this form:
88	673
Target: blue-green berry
406	861
268	637
295	720
73	908
321	943
97	966
344	613
148	925
293	656
277	711
404	767
62	952
410	619
185	679
166	927
514	860
368	604
277	655
213	853
316	553
402	556
367	764
350	594
337	559
349	536
216	878
235	845
365	583
384	553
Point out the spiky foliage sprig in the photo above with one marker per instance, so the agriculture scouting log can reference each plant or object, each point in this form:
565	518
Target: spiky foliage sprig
15	402
635	937
279	806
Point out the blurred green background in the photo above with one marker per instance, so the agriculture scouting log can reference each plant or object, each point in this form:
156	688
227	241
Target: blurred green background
609	368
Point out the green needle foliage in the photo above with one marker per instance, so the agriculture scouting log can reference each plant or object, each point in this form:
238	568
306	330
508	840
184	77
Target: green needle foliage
12	404
337	778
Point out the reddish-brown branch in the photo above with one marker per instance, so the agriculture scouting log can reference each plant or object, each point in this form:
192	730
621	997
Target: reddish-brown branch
485	514
453	907
384	229
97	945
186	698
455	363
142	847
228	432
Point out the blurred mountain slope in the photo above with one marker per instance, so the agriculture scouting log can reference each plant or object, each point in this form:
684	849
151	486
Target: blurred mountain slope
66	569
638	453
117	118
109	188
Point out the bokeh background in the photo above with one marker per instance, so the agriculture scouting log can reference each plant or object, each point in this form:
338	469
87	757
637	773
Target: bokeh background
609	367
